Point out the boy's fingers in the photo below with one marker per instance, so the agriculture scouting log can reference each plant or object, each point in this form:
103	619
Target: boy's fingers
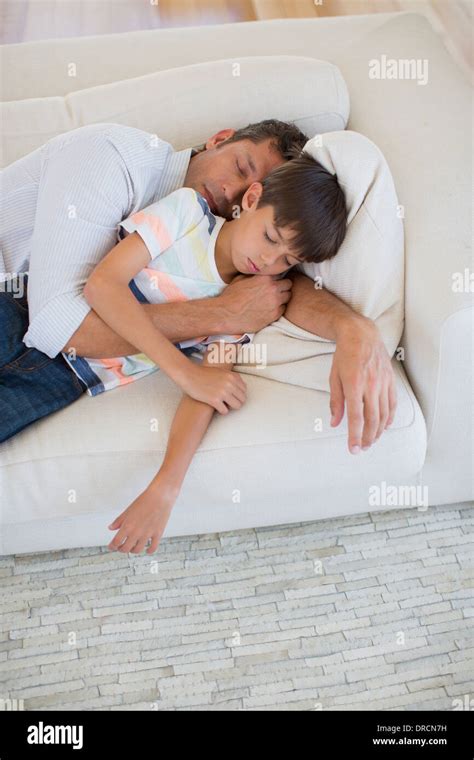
121	535
234	402
115	525
154	545
220	407
139	546
128	545
239	395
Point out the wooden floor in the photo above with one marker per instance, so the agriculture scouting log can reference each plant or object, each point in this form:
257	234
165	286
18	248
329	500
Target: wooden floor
25	20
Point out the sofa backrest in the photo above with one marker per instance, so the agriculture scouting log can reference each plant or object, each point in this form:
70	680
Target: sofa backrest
188	104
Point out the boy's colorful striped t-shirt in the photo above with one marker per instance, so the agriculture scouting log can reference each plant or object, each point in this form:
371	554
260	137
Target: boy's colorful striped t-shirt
180	233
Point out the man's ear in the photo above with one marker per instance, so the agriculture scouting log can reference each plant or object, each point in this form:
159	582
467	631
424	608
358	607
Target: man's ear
252	196
219	137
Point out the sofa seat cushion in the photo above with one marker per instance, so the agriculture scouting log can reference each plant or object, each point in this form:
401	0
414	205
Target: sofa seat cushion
65	479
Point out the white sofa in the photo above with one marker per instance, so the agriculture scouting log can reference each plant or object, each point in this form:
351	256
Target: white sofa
64	479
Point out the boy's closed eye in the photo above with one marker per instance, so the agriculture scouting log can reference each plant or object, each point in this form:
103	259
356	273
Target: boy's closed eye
290	263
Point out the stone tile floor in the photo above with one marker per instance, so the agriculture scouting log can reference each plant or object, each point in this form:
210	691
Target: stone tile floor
373	611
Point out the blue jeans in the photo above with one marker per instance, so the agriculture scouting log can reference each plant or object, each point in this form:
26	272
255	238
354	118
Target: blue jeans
31	384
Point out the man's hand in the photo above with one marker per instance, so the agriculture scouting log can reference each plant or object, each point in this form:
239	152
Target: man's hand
362	374
250	303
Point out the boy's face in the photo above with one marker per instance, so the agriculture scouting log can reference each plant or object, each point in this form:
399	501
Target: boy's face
257	245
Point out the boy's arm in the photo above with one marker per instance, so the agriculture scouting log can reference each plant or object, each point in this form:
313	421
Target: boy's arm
189	425
107	291
147	517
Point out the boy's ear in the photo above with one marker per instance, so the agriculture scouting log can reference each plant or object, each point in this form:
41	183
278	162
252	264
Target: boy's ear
252	196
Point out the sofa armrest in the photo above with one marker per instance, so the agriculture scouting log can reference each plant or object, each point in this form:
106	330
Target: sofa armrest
424	130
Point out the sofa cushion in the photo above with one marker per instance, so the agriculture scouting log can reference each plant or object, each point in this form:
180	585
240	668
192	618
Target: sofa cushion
368	271
186	105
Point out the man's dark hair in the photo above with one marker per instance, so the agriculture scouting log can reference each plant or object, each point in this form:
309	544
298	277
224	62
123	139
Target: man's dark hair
308	199
287	139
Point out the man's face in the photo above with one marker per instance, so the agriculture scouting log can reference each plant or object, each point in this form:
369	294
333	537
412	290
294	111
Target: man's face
223	172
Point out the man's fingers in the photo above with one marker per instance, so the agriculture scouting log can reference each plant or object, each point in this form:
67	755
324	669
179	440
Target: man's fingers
284	290
383	412
371	418
355	421
285	284
392	401
336	401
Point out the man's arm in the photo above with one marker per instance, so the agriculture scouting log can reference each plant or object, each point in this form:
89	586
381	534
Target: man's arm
177	321
361	373
246	305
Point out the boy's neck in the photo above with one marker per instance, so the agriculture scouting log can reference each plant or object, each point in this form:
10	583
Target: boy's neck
222	253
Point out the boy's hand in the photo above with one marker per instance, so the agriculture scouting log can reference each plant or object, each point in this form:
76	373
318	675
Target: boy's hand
144	519
216	387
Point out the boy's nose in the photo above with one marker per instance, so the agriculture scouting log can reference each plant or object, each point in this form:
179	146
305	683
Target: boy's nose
267	259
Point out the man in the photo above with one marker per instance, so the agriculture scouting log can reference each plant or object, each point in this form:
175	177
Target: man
61	206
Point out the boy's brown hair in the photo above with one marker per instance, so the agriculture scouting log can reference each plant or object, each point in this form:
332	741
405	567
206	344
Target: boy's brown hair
308	199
